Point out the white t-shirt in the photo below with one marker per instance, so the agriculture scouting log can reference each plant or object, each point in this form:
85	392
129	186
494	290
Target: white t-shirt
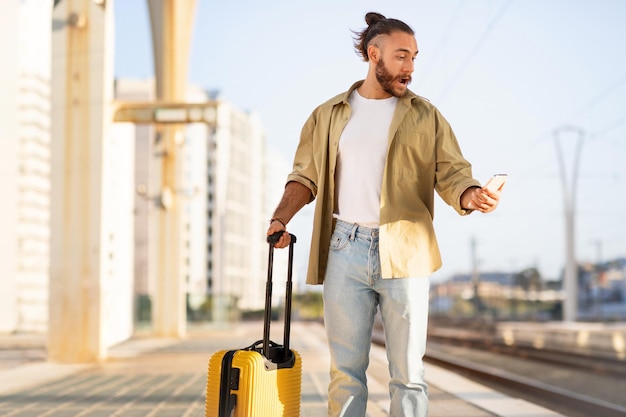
361	160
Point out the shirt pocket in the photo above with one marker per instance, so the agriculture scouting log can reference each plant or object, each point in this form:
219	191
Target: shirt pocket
411	156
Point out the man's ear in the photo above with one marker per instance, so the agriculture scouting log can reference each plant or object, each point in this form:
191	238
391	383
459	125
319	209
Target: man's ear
373	53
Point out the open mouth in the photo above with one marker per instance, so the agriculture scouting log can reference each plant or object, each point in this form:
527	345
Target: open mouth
404	80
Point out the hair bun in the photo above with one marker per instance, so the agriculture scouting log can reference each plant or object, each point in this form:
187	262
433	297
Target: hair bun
377	25
372	18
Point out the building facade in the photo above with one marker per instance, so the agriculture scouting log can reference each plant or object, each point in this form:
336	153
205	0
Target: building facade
147	186
26	167
223	195
25	164
222	189
194	214
236	211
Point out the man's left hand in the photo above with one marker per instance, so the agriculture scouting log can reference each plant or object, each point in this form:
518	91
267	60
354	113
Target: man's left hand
480	199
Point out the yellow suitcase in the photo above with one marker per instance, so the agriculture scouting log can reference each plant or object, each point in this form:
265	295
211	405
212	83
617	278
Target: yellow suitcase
263	379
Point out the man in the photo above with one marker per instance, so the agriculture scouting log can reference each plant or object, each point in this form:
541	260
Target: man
373	157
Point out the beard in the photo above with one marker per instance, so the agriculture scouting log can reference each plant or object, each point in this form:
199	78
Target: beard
386	80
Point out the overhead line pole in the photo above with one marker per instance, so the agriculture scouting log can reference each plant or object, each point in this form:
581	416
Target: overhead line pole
570	278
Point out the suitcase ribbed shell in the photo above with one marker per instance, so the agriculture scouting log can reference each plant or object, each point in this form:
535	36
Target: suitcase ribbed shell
261	393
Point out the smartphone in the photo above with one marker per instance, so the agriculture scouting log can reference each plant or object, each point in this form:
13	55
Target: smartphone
496	182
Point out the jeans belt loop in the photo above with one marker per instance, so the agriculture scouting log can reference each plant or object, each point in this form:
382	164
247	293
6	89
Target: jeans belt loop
353	232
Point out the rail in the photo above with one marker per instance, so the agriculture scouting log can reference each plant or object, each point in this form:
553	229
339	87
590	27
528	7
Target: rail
559	398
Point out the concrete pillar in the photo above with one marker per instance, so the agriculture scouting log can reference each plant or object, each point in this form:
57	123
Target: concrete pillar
171	22
82	88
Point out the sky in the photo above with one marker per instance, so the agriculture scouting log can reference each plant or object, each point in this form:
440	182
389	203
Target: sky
511	77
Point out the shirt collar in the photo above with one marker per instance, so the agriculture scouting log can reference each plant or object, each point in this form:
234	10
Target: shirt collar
343	98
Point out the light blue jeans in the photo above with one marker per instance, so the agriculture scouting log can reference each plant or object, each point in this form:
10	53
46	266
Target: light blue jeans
353	289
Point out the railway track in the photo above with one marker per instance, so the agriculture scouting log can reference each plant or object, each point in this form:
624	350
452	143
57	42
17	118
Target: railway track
591	363
567	383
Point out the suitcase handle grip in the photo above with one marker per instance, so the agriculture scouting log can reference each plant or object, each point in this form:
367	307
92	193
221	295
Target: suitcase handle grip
272	239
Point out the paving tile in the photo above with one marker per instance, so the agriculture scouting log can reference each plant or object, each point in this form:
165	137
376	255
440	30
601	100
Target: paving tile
147	377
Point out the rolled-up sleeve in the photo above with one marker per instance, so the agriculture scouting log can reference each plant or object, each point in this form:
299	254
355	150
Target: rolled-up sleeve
453	171
305	170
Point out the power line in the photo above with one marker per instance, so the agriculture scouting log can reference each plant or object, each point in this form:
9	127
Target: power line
593	136
470	56
444	41
606	92
606	129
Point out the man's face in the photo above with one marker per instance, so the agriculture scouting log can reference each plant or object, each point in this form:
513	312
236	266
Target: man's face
395	65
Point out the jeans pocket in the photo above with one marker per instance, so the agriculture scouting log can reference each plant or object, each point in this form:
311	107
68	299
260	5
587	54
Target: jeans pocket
338	241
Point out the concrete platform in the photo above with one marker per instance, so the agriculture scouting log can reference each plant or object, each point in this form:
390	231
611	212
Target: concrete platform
597	339
158	378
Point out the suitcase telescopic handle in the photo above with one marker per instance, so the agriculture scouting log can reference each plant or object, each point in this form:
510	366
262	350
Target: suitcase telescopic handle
272	240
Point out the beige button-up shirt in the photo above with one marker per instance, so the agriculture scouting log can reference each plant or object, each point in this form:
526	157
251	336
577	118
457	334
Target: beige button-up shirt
423	156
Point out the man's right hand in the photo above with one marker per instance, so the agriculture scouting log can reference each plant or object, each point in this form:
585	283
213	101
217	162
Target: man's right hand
285	239
294	198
